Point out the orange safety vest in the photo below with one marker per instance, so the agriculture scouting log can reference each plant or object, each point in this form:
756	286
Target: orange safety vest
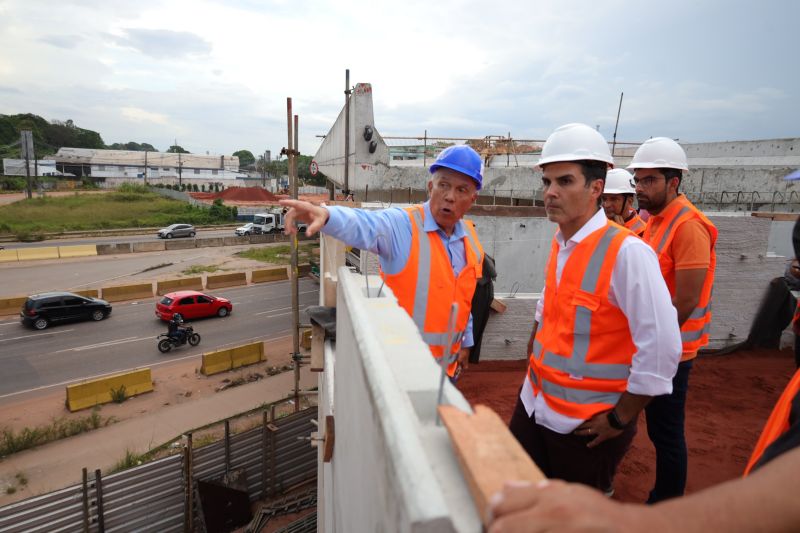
635	224
777	423
583	350
427	286
694	332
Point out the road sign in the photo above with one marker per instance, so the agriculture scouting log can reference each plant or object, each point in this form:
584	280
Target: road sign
313	167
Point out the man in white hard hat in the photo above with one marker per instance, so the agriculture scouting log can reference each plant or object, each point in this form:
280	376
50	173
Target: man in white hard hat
618	200
605	338
684	241
430	256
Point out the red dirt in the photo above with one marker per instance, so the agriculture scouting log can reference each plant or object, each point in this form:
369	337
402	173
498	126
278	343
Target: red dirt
730	398
238	194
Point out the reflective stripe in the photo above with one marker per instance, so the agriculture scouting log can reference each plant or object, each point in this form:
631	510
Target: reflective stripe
440	339
579	396
537	348
699	312
695	335
573	367
423	273
592	272
683	210
532	377
473	244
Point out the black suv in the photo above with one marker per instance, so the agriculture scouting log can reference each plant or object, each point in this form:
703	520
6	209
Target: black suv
41	310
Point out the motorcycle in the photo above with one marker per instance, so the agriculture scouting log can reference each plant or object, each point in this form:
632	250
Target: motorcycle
166	343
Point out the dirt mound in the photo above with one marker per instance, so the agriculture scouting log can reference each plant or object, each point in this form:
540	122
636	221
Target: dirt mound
238	194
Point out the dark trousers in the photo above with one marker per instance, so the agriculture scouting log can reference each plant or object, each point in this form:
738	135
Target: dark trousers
567	456
797	350
665	421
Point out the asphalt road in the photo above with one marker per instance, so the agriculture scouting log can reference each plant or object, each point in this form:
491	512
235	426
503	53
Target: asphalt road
143	237
33	360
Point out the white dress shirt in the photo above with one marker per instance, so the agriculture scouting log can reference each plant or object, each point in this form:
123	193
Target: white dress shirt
639	291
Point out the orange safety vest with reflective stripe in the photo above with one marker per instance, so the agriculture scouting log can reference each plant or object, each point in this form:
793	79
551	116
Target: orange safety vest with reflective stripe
635	224
694	332
777	423
426	287
583	350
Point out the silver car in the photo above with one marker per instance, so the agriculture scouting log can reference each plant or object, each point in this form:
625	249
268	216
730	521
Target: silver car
176	230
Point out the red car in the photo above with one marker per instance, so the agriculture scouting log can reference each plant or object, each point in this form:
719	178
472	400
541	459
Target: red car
192	304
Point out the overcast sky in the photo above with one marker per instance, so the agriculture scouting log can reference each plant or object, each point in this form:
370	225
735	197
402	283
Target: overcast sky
215	74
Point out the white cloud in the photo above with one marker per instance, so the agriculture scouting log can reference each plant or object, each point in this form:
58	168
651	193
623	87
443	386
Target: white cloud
135	114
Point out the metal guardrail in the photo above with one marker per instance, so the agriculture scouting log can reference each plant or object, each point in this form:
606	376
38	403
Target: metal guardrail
745	200
152	497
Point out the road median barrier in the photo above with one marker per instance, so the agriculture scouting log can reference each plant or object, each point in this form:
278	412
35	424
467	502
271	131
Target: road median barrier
157	246
104	389
209	242
8	255
36	254
179	244
230	358
114	248
262	238
90	293
127	292
269	274
10	306
233	241
234	279
184	284
77	250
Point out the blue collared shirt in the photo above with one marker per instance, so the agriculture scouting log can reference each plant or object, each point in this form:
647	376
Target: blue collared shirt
387	233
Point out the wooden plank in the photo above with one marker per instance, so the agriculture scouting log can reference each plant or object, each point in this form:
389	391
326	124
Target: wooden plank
317	348
498	306
488	453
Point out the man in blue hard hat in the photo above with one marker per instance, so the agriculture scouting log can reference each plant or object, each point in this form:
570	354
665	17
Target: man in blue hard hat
429	256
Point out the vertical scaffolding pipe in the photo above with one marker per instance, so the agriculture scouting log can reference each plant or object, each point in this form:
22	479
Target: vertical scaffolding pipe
425	150
619	109
98	487
346	132
296	281
264	452
85	487
227	448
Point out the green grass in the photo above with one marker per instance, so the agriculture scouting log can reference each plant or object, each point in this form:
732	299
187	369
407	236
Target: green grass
130	460
199	269
15	441
129	207
281	254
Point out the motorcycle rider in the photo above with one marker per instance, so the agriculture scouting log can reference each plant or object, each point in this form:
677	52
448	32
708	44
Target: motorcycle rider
175	331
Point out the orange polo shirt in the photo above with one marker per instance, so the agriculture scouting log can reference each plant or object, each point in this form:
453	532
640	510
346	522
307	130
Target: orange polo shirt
690	249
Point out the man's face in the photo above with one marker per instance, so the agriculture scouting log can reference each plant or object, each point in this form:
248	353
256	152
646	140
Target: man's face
651	189
567	197
616	205
451	195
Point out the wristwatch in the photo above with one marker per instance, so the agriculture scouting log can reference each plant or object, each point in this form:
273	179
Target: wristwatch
614	421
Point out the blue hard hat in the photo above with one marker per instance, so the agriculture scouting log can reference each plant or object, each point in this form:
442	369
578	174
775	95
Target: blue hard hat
463	159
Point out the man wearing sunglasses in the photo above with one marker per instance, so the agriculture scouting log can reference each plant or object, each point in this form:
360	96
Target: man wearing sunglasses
684	240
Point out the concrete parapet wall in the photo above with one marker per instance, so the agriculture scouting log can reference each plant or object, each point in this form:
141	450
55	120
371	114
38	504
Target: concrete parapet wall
179	244
171	285
269	274
8	255
209	242
232	358
235	241
226	280
78	250
127	292
155	246
90	293
393	468
9	306
115	248
39	253
99	391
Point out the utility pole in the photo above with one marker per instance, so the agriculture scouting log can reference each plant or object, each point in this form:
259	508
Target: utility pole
619	109
145	167
27	147
347	132
264	171
292	153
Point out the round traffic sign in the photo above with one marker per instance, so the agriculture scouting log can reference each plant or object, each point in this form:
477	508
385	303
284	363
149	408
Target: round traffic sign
313	167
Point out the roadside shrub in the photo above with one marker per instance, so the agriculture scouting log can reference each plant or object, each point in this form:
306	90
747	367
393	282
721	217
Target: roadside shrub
203	187
130	460
119	395
194	187
133	188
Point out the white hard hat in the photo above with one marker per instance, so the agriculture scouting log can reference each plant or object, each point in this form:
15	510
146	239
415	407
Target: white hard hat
659	152
575	142
619	181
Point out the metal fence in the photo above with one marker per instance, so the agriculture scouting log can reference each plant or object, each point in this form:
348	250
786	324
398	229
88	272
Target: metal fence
152	497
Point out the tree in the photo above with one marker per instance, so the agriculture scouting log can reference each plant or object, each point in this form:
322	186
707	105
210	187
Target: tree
176	149
132	146
246	158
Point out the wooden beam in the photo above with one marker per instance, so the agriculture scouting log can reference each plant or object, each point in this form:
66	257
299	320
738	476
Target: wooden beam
488	453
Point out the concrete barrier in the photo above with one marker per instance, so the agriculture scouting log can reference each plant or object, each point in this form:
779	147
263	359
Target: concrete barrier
34	254
77	250
91	293
171	285
304	269
209	242
127	292
157	246
228	359
260	239
269	274
114	248
98	391
234	241
226	280
182	244
10	306
8	255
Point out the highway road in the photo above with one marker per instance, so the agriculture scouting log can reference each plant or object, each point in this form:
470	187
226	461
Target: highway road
32	360
142	237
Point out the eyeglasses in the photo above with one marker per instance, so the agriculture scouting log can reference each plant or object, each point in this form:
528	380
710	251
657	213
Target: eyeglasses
647	182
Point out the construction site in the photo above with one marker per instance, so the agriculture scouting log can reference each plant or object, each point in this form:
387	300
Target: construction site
380	441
